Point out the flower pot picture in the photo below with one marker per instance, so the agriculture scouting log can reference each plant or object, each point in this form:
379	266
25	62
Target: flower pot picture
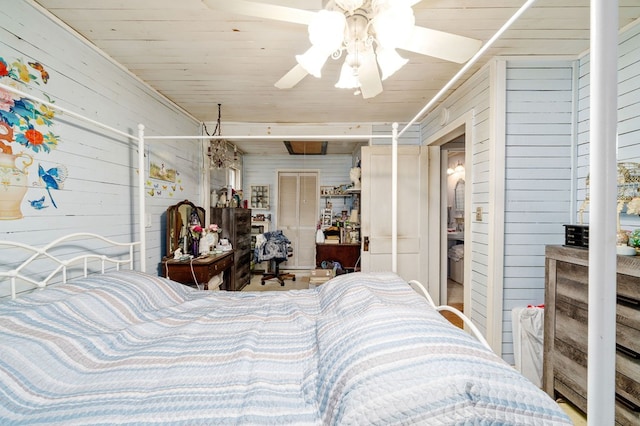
13	183
23	127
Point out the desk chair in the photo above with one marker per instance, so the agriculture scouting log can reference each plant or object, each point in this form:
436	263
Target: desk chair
276	248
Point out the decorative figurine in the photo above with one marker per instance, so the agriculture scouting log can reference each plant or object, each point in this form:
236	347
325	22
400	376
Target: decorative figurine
177	254
204	245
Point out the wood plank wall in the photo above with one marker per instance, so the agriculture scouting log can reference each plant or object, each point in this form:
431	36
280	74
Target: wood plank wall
539	141
100	193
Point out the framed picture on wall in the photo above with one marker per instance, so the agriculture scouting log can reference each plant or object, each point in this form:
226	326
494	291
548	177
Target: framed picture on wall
159	169
260	197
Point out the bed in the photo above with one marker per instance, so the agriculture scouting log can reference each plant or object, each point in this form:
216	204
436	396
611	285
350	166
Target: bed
120	347
128	347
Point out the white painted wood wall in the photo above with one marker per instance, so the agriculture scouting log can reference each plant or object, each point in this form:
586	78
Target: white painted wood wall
539	150
100	193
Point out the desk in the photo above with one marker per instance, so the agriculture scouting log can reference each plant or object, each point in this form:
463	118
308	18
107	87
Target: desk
348	255
203	268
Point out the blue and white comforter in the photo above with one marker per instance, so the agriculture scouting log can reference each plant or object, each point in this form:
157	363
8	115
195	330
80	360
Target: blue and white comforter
361	349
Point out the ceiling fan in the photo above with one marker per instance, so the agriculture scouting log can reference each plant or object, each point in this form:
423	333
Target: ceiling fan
368	32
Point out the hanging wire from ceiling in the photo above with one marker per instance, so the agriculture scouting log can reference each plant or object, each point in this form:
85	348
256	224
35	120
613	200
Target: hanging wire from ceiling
218	150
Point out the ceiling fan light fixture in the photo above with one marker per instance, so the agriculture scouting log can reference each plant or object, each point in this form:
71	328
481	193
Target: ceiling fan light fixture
313	60
326	30
350	5
389	61
393	24
348	77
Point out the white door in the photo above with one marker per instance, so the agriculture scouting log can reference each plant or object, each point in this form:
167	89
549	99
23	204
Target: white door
412	211
298	200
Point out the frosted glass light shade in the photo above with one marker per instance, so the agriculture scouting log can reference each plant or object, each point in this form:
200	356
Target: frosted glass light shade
389	61
348	77
326	30
313	60
393	25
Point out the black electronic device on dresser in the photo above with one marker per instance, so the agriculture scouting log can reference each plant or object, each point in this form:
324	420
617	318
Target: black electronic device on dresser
236	226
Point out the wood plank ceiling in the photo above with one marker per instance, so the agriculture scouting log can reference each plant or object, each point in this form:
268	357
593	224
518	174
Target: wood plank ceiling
198	57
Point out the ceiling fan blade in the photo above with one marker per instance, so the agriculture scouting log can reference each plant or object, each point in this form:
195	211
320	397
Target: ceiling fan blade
447	46
262	10
293	77
369	76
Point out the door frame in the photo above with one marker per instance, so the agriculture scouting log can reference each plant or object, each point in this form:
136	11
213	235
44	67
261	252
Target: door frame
437	281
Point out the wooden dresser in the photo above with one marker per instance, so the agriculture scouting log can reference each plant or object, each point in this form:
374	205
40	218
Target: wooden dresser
200	269
236	226
565	330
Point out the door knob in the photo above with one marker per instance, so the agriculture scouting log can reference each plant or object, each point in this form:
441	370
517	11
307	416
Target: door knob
365	245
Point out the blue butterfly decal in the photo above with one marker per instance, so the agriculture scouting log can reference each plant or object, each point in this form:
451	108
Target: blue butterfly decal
52	178
38	204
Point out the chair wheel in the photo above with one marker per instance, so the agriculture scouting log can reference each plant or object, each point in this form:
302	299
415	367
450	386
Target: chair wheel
294	278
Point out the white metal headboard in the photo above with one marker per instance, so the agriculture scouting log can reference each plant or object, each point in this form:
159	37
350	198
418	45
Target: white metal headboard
18	273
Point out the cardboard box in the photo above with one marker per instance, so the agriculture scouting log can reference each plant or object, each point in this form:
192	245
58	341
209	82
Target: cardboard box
319	276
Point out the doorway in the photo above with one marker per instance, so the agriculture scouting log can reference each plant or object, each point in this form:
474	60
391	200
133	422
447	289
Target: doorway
452	178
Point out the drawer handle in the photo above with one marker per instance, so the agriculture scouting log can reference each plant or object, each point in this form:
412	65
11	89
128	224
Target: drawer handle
627	351
628	301
630	405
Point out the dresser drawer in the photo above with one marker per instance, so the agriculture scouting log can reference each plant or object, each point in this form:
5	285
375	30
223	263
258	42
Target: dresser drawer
626	387
218	267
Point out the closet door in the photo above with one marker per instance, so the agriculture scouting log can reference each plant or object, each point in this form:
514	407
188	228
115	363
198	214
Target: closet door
298	215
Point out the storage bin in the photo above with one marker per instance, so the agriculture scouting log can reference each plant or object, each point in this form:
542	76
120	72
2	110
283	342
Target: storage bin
456	270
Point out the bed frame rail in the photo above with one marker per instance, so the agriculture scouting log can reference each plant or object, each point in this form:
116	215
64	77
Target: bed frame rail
465	319
62	264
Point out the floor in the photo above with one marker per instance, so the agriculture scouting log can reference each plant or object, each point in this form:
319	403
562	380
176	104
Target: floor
301	282
455	292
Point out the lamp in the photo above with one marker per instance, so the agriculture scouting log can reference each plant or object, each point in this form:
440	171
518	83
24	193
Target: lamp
459	168
355	26
218	148
326	32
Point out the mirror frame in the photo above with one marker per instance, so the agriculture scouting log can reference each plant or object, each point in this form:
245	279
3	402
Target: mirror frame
177	217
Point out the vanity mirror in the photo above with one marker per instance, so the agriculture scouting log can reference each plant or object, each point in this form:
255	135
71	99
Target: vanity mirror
180	218
458	197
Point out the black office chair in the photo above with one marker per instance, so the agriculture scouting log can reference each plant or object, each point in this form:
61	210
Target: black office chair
276	248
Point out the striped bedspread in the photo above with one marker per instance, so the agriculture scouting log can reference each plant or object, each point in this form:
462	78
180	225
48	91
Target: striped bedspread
130	348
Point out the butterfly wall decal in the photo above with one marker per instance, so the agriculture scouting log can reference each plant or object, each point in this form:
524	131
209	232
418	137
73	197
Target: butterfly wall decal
52	178
43	73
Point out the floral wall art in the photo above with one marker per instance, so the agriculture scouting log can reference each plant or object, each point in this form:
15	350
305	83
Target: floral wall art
25	135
